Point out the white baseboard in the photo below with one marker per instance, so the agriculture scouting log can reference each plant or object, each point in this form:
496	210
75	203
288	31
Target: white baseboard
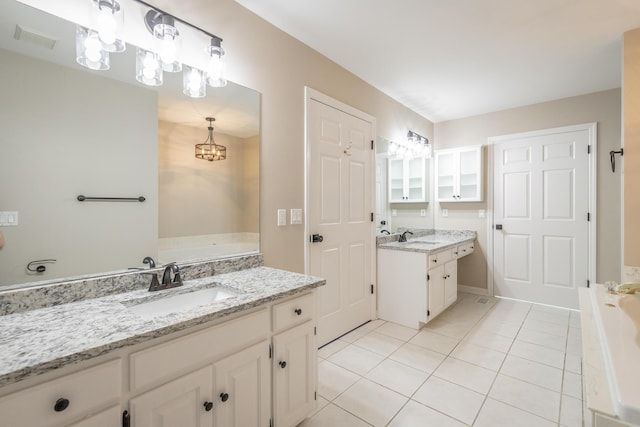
473	290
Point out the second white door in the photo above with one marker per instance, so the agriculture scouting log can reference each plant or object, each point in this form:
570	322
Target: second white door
541	209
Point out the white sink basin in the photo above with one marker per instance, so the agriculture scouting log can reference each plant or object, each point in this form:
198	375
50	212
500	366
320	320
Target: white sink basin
180	302
422	242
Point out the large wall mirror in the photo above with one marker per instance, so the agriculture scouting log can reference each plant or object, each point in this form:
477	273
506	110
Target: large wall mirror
69	131
403	191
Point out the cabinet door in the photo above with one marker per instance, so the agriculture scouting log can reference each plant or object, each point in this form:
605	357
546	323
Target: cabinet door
436	291
446	174
414	180
294	375
180	402
396	181
451	282
469	174
242	388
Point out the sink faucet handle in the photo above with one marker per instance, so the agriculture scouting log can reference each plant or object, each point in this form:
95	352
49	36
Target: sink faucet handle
155	285
176	274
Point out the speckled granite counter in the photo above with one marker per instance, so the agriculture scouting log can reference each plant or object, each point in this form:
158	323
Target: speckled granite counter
427	240
37	341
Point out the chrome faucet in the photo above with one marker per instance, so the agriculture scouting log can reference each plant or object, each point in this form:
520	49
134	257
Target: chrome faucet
403	236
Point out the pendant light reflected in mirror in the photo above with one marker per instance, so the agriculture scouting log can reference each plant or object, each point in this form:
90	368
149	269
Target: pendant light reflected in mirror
209	150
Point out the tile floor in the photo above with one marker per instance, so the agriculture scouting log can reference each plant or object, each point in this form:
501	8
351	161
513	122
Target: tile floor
491	364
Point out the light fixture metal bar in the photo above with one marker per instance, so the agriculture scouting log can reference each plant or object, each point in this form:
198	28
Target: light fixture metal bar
178	19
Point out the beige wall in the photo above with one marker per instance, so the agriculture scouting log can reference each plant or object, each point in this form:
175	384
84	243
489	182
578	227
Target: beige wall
603	108
56	142
266	59
198	197
631	96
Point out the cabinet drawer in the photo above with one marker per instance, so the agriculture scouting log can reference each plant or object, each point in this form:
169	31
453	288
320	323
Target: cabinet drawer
168	360
109	418
293	312
465	249
441	258
84	391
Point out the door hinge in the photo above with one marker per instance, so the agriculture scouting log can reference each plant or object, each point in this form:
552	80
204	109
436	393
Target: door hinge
315	395
315	331
270	422
588	283
372	288
371	216
372	147
270	351
428	313
589	149
126	419
588	216
428	277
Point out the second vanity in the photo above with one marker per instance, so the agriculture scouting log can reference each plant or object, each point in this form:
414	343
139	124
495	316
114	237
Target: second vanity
245	359
417	279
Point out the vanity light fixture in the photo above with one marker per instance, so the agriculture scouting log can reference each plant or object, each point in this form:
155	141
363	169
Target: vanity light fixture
415	146
106	34
209	150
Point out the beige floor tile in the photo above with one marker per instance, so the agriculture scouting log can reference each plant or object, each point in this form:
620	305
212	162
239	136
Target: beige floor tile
415	414
553	342
356	334
465	374
570	412
320	403
498	414
371	402
331	415
481	356
546	327
436	342
489	340
333	380
397	331
538	353
451	399
418	357
332	348
397	377
533	372
491	326
549	314
447	329
574	320
381	344
356	359
572	385
528	397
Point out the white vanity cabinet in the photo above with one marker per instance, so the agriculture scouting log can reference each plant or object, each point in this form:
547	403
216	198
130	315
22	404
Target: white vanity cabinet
407	180
294	361
459	174
442	280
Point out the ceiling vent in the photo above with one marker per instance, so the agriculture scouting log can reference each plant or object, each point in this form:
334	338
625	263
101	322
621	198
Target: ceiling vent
34	37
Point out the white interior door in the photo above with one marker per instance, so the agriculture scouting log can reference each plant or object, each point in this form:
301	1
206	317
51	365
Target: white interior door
382	207
339	206
541	228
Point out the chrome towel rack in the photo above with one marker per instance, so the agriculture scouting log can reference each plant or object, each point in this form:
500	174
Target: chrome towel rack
82	198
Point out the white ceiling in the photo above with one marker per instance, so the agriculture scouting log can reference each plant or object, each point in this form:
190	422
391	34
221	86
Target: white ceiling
447	59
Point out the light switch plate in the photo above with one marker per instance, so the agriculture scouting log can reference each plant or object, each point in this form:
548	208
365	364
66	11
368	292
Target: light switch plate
394	212
8	218
482	213
296	216
282	217
445	213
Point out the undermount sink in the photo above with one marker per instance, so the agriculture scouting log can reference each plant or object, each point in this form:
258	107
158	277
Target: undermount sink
423	242
179	302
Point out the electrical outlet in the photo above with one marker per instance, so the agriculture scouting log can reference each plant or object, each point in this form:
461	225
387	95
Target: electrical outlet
482	213
445	212
394	212
8	218
423	212
282	217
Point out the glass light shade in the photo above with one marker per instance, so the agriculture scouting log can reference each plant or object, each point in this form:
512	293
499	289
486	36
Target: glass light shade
89	51
216	66
426	151
169	43
107	17
148	68
392	148
194	82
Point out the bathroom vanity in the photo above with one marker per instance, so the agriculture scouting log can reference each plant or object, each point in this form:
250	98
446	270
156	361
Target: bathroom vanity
417	279
246	357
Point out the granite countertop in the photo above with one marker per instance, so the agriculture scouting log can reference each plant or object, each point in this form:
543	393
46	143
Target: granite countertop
37	341
427	241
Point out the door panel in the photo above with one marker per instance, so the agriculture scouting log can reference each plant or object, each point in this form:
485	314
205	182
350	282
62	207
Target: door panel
541	188
340	203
